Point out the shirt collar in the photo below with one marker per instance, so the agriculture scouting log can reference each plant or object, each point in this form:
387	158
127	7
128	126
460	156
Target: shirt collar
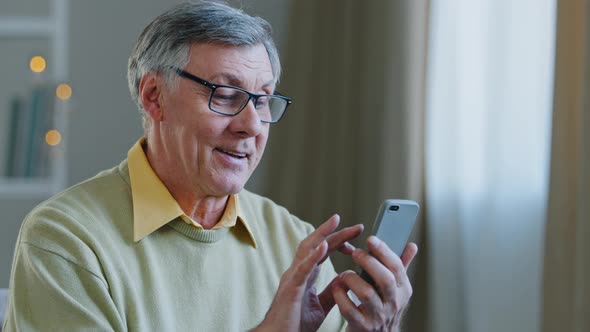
154	206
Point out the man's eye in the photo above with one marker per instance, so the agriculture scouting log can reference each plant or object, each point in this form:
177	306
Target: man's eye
225	97
262	102
228	94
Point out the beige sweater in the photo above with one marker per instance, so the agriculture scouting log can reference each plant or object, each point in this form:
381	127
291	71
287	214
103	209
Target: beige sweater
77	268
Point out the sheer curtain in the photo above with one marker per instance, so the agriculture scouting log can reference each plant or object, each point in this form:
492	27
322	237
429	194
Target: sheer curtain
488	112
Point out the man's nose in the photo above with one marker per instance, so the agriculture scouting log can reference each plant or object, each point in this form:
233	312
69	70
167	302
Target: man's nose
247	122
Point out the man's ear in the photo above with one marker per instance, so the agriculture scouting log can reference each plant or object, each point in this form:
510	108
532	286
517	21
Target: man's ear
150	91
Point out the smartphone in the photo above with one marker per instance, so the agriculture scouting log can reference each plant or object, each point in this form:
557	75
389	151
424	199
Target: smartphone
393	225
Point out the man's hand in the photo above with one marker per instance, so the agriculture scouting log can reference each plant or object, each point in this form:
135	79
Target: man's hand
297	306
381	306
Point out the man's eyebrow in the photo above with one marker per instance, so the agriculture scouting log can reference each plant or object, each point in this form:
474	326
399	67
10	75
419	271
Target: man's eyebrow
225	78
233	80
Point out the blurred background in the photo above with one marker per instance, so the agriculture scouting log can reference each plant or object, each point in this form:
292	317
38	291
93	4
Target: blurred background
478	110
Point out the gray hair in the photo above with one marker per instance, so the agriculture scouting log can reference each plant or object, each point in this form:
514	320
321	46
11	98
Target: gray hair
166	41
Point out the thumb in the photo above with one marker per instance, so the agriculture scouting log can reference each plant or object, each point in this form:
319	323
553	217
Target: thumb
327	296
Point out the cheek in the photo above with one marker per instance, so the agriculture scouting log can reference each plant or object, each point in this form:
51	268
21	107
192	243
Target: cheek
208	132
202	129
204	139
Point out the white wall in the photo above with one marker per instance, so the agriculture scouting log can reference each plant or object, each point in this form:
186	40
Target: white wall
104	122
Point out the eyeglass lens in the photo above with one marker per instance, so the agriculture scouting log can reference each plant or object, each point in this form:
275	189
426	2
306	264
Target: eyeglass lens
231	101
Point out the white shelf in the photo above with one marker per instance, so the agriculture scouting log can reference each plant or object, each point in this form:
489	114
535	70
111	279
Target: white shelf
26	27
55	28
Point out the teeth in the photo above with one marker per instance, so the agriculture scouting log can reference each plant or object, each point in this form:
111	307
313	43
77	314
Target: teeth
239	155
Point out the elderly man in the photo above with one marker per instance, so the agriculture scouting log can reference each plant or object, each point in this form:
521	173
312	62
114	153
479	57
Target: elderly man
169	240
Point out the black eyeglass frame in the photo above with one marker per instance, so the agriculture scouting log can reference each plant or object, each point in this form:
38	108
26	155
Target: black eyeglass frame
251	96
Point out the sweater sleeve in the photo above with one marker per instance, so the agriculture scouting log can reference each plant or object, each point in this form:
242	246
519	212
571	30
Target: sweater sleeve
51	293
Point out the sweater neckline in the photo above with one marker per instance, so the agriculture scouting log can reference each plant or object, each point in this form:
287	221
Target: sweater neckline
200	235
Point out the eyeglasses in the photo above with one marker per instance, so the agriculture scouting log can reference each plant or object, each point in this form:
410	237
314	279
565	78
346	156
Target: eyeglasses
231	100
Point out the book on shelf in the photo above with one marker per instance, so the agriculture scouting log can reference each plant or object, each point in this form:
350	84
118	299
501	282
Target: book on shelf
27	154
14	117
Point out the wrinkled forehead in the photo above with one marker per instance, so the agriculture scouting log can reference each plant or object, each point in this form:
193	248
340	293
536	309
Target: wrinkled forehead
233	65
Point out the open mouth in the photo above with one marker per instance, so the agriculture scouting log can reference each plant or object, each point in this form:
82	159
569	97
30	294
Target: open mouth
233	154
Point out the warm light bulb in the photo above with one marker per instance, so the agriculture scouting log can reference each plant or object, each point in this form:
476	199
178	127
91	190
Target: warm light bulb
53	137
37	64
63	91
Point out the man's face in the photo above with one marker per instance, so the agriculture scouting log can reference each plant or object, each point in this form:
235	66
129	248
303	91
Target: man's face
212	153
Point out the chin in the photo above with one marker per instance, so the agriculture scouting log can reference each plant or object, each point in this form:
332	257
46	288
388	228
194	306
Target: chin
230	188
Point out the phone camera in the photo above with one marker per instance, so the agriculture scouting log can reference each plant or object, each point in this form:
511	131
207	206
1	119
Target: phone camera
394	208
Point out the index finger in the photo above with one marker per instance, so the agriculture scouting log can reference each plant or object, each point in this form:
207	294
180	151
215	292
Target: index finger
321	233
339	240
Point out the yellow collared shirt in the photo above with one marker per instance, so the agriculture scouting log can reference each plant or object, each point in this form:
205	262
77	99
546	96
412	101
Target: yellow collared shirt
154	206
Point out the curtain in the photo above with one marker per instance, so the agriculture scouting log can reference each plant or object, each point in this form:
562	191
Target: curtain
566	286
348	141
354	136
489	96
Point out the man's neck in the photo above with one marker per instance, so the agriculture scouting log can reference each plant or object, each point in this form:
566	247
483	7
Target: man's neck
206	210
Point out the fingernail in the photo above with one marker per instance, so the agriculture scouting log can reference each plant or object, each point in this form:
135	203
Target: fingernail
337	217
349	246
373	240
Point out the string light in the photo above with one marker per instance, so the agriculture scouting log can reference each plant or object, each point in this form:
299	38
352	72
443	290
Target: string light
63	91
37	64
53	137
